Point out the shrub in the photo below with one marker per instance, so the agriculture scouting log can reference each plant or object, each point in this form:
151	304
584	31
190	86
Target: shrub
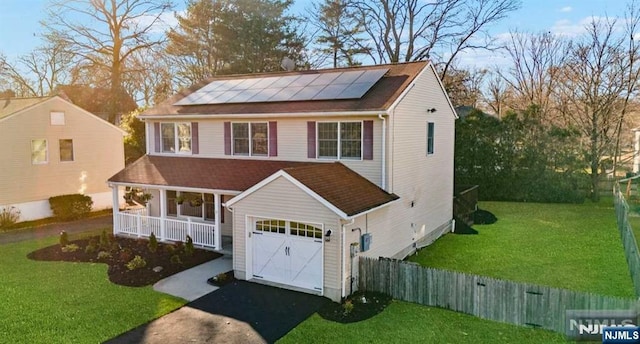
105	240
153	243
125	255
70	207
91	248
136	263
175	259
9	216
347	307
221	277
64	239
188	247
70	248
104	255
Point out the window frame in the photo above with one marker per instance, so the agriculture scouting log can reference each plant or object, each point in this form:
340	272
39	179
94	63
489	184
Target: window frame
250	139
46	152
431	129
57	118
206	201
339	139
177	139
73	156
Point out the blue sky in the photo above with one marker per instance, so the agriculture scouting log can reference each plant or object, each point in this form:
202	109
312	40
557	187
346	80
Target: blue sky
19	20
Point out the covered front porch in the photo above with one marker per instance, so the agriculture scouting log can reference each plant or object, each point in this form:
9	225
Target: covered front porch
172	214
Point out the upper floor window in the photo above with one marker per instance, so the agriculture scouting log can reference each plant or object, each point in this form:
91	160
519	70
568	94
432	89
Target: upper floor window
430	136
250	138
57	117
66	150
176	137
39	151
340	140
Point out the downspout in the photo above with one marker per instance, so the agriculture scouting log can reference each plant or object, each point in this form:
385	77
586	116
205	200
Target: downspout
383	185
344	258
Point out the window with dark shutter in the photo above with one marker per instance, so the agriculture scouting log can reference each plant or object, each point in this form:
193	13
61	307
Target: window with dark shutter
227	138
273	138
195	138
367	138
311	140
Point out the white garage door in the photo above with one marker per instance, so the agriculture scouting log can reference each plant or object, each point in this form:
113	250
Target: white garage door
288	252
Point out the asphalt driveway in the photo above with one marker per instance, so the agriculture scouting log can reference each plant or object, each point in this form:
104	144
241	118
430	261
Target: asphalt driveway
240	312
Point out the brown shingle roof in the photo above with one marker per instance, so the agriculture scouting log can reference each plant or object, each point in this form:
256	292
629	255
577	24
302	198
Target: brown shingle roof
204	173
336	183
13	105
341	186
379	97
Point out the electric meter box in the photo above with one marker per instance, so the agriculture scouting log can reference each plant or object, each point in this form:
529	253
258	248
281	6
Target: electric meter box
365	242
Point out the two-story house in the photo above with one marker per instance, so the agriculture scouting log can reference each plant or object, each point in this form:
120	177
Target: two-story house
52	147
303	170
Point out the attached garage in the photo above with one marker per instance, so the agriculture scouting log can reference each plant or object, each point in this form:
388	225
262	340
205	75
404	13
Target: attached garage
287	229
287	252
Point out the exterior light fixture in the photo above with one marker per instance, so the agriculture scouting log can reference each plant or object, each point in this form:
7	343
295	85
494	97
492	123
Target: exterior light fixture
432	110
327	236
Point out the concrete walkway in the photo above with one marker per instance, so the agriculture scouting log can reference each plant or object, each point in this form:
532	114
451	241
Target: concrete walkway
78	226
192	284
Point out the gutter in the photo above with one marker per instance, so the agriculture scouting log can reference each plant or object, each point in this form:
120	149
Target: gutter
254	115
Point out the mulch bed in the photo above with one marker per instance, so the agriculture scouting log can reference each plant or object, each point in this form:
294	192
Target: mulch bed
365	306
122	251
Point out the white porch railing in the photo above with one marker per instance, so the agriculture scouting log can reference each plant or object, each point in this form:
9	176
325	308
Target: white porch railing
141	225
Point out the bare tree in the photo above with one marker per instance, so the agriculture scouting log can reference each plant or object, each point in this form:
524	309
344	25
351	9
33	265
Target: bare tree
107	33
37	73
598	78
464	86
410	30
536	60
498	95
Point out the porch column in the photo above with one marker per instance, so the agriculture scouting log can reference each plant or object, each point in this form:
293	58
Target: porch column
218	233
163	213
116	209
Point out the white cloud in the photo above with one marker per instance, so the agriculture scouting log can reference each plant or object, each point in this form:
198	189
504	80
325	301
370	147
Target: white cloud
166	21
566	9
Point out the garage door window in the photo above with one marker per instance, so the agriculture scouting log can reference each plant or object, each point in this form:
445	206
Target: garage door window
305	230
272	226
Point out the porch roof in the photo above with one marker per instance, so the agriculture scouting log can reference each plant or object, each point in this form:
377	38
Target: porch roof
335	183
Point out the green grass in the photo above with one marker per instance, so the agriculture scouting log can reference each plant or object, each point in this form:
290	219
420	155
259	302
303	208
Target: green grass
61	302
404	322
572	246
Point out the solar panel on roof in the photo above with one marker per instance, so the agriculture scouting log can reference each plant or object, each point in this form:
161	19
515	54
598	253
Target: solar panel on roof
299	87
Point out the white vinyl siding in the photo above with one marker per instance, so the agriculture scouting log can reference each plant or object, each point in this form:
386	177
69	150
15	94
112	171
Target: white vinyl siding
282	200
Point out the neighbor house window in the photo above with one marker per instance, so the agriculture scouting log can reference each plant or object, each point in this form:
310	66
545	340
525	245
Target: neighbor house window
250	139
176	137
39	152
430	135
66	150
340	140
57	118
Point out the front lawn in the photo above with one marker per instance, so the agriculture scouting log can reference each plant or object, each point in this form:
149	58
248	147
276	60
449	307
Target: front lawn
62	302
404	322
572	246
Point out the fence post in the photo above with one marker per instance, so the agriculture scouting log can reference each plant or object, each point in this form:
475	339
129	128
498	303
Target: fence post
138	224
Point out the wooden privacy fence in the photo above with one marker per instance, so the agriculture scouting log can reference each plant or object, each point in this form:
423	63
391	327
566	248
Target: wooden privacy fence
485	297
628	238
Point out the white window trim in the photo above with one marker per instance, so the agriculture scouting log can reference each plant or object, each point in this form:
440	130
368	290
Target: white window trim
233	152
176	139
433	140
73	153
46	153
202	218
339	152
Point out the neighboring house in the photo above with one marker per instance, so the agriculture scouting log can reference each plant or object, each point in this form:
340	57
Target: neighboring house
53	148
96	100
304	171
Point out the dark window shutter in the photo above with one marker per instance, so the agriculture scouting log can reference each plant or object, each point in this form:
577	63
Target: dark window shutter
273	138
227	138
311	140
195	140
367	138
156	136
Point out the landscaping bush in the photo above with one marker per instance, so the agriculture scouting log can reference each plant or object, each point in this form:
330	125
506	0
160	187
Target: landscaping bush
70	207
153	243
175	259
188	247
104	255
64	239
125	255
136	263
91	248
9	216
70	248
105	240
